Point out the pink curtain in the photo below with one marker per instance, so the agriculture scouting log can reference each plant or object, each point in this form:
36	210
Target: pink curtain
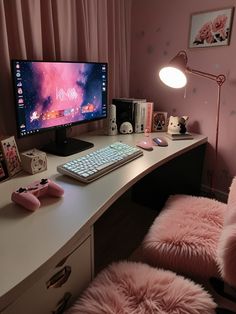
83	30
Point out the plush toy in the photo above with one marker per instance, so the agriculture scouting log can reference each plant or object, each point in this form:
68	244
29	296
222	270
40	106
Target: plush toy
126	128
177	124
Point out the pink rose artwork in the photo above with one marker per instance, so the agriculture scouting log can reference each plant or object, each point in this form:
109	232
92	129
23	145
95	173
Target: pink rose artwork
214	30
205	33
218	25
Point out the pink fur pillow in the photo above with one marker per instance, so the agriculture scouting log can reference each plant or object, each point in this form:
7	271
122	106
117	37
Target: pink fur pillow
227	243
185	235
232	193
227	254
136	288
230	215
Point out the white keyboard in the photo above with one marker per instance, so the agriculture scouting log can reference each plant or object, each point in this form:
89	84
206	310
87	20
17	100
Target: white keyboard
98	163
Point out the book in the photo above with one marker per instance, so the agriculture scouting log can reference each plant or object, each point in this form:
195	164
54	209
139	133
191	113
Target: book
179	136
148	116
139	120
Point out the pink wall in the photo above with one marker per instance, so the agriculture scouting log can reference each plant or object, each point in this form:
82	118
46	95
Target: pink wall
159	30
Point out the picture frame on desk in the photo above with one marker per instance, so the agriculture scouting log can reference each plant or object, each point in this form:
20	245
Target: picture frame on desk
11	156
3	170
159	121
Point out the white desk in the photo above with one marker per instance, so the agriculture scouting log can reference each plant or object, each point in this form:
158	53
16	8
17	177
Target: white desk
32	243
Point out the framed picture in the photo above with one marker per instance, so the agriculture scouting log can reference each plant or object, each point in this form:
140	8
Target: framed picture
210	29
3	170
11	155
159	121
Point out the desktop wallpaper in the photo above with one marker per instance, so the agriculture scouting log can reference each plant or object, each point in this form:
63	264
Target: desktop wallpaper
58	93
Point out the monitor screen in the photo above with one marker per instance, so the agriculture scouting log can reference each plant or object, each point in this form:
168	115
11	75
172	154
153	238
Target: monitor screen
57	95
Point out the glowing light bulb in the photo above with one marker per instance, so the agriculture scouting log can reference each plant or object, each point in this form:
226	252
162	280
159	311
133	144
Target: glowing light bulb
173	77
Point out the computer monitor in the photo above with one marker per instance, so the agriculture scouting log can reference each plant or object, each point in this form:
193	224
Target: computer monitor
55	95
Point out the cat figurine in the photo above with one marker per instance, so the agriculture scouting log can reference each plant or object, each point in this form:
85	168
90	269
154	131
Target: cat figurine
177	124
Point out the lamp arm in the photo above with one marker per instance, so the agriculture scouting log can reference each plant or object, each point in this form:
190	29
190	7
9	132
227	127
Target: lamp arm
219	79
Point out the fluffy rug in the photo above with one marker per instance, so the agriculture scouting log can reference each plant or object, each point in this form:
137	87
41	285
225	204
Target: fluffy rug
136	288
185	235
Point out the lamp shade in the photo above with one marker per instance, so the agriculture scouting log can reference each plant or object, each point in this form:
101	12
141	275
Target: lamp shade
174	75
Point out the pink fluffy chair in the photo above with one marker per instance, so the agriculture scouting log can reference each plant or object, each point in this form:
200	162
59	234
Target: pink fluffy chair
136	288
195	237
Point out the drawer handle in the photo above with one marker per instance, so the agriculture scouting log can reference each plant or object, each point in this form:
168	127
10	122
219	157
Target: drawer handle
62	304
59	278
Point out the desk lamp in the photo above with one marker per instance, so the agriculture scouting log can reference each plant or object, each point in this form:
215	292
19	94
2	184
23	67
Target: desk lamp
175	75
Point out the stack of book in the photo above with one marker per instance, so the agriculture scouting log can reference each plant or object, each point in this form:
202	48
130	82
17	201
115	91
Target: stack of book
179	136
138	112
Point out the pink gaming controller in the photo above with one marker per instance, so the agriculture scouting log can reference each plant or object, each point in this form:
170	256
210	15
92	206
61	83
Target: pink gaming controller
28	197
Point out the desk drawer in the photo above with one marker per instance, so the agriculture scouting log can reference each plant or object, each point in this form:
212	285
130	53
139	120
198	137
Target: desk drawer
60	287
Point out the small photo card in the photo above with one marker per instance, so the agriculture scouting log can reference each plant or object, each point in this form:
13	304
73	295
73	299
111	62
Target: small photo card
3	171
11	155
3	168
159	121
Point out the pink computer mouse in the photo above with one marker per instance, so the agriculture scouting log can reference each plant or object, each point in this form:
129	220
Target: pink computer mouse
145	144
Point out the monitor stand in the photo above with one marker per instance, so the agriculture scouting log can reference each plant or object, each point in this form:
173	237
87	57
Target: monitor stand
66	146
